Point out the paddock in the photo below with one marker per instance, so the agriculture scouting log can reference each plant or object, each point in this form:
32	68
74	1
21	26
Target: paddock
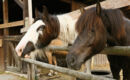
10	34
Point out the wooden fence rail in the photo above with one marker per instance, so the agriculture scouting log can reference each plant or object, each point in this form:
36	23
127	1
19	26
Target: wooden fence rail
67	71
117	50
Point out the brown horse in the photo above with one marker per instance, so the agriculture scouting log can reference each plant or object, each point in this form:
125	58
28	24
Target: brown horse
97	28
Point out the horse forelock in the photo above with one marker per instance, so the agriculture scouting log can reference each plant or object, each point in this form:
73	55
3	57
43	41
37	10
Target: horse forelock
50	32
88	21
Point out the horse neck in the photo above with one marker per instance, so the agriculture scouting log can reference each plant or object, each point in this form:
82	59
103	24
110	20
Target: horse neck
127	29
67	29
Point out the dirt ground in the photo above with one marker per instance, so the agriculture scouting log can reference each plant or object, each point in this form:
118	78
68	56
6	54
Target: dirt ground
43	75
60	76
9	76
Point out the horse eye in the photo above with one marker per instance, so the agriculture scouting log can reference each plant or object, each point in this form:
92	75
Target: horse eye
41	28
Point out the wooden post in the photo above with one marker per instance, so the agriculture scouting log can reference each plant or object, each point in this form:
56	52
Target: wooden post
30	20
29	71
6	32
27	14
30	12
2	58
15	56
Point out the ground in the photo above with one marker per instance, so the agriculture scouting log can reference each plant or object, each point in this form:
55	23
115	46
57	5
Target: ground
44	75
9	76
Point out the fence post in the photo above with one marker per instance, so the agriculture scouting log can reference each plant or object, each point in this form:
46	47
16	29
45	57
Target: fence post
31	71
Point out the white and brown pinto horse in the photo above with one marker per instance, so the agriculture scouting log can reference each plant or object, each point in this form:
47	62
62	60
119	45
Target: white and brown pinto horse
45	29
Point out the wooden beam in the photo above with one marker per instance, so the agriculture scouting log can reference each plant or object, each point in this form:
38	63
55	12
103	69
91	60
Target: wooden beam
25	9
105	4
6	32
116	50
13	38
67	71
20	3
5	11
30	14
12	24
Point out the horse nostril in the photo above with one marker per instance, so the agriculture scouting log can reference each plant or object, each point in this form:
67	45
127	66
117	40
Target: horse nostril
20	50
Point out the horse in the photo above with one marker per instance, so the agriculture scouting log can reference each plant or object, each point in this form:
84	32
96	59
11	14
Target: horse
45	29
99	28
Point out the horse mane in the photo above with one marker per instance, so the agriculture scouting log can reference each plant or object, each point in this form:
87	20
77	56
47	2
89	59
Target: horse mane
111	19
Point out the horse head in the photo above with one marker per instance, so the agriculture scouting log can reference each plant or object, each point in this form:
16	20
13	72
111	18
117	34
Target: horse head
91	37
39	34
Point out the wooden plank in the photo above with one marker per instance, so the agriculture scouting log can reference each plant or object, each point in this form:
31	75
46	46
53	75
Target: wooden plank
20	3
1	42
11	24
105	4
67	71
13	38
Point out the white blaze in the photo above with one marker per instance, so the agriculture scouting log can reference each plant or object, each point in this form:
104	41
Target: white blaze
31	35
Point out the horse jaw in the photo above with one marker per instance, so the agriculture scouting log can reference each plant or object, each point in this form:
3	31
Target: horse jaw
31	35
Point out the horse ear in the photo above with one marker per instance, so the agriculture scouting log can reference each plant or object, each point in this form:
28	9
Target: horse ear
45	13
82	10
98	8
38	14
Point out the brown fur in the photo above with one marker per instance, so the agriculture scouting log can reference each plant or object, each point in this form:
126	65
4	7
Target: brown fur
94	32
50	32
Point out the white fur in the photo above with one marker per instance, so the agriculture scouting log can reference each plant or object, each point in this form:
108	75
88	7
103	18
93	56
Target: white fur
67	32
31	35
67	28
